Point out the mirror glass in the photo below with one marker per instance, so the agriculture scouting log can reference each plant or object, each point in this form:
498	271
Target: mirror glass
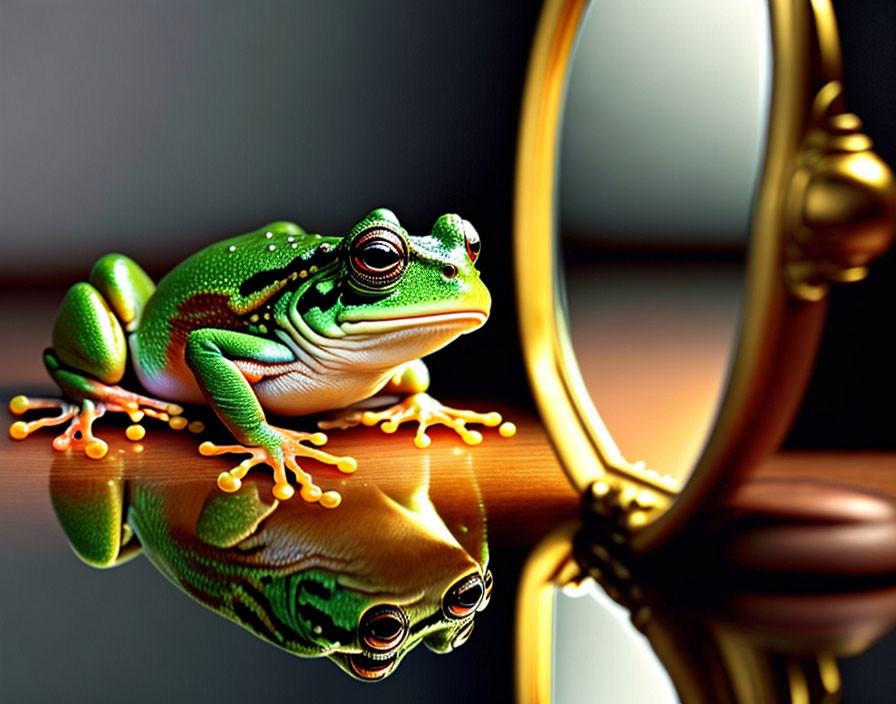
660	156
707	638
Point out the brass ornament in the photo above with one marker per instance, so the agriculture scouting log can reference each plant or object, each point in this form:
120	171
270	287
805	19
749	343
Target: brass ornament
842	202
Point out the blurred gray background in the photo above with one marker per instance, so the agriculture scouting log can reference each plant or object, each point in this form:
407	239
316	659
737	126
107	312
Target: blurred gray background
157	127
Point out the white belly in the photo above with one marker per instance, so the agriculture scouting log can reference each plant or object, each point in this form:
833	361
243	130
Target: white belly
295	394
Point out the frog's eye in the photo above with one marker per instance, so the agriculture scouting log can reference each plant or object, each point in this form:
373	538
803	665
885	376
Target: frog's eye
377	259
383	628
472	239
464	597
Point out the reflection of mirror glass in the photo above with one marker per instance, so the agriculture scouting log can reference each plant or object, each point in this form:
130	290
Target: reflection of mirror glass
706	638
597	649
660	157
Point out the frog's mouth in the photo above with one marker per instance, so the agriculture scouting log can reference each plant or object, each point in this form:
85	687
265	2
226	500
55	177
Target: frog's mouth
471	319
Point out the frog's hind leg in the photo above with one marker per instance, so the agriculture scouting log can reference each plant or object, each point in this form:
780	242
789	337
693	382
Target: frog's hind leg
89	399
89	359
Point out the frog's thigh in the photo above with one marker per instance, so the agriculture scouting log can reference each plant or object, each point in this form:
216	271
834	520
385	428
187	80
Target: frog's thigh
210	354
88	337
125	286
91	513
410	378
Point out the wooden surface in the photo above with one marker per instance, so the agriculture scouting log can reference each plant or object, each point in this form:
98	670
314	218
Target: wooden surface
519	481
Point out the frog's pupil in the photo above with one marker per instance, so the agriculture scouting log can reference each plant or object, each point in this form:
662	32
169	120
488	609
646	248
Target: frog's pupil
383	628
386	628
379	256
470	597
464	597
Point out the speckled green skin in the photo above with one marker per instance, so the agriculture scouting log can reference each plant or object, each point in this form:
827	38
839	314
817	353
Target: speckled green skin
298	579
271	320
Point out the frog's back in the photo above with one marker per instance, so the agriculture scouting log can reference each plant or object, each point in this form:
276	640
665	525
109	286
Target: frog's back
208	289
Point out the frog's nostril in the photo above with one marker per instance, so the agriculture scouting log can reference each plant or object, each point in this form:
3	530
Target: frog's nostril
464	597
474	245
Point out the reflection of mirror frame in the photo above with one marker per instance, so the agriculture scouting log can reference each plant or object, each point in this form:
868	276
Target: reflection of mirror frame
719	642
824	209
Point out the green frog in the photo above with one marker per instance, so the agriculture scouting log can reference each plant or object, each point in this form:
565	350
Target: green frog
398	566
279	321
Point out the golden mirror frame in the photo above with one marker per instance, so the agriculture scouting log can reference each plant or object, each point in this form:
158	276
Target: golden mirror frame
824	209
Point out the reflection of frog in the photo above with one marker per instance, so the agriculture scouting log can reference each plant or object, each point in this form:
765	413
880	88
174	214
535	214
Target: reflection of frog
277	320
362	586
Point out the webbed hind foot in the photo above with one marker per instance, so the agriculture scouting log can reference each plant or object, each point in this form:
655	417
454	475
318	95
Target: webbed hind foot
79	434
81	416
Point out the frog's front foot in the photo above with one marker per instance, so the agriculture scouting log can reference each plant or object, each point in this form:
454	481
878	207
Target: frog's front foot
427	412
80	418
282	457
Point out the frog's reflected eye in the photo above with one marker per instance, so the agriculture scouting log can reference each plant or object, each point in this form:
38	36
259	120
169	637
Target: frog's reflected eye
472	239
377	259
463	635
383	628
489	583
464	597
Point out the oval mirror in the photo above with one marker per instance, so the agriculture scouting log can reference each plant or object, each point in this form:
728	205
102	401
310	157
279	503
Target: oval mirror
688	186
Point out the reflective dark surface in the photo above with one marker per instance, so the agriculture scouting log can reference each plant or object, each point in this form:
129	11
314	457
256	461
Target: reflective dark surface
129	630
403	561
